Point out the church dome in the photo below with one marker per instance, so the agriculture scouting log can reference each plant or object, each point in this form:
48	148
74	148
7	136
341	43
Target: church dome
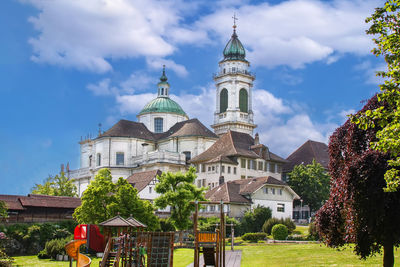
163	105
234	49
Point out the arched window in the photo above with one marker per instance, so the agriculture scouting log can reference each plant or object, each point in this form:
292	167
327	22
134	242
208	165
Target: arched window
162	91
243	100
223	100
158	125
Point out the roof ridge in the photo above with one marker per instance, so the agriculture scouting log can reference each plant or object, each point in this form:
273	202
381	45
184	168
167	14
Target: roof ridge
227	191
233	144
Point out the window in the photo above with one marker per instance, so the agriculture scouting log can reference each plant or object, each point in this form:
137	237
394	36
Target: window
234	170
272	167
213	168
120	158
248	164
90	161
224	71
150	189
252	165
203	168
158	125
273	191
280	192
229	169
266	166
204	182
243	177
212	208
265	190
280	207
260	165
187	156
278	168
243	100
198	183
209	168
212	185
243	163
222	169
98	159
162	91
223	100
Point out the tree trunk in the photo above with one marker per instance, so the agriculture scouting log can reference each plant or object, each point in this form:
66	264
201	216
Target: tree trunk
388	255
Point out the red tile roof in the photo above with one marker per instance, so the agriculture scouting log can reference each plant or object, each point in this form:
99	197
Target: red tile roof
140	180
233	144
12	202
31	200
306	153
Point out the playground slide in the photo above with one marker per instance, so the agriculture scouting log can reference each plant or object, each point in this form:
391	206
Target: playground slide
72	249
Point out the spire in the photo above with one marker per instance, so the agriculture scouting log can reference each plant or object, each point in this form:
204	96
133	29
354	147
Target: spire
234	49
163	85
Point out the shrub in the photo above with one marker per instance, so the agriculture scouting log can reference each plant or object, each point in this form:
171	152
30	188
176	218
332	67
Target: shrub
267	227
166	226
5	260
254	237
43	254
56	246
253	220
313	232
279	232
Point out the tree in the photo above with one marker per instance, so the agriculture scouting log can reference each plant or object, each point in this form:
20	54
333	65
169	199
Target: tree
177	191
3	210
253	220
358	210
58	185
104	199
311	182
385	27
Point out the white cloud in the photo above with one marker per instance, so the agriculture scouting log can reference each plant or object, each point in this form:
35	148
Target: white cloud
157	63
101	88
369	71
296	32
86	34
133	104
344	114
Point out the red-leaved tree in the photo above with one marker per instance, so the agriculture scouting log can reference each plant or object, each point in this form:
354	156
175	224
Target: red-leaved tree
358	210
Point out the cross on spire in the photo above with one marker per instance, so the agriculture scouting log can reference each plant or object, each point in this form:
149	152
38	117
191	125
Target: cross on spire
234	20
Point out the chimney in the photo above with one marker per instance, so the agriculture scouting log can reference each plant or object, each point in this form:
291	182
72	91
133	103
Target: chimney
256	139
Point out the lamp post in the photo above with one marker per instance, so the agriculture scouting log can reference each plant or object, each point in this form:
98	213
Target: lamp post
301	209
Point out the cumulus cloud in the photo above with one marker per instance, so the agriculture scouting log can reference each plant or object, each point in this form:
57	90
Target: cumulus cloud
86	34
296	32
369	71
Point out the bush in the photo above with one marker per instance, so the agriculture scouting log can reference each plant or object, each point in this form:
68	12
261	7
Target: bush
55	247
166	226
279	232
267	227
43	254
254	237
313	232
253	220
208	224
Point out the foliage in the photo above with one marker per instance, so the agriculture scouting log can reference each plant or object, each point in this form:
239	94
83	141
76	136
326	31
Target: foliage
3	210
311	183
358	210
254	237
5	260
104	199
267	227
58	185
55	247
208	224
177	191
313	231
385	24
279	232
23	239
253	220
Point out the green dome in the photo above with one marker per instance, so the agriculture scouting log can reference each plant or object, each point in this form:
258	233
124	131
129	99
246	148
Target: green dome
161	105
234	49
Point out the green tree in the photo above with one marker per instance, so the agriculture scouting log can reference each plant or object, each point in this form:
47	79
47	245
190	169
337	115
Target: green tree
3	210
385	27
177	191
58	185
311	183
104	199
253	220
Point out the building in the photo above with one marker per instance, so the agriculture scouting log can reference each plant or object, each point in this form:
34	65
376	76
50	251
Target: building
165	139
39	208
245	194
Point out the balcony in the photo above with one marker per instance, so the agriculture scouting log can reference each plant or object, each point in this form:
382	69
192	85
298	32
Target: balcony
236	71
159	157
79	173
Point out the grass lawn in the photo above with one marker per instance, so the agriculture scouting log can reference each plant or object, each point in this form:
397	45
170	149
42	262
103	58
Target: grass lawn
301	230
258	255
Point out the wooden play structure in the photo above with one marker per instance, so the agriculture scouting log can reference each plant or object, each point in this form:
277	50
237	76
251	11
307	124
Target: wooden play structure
128	245
210	244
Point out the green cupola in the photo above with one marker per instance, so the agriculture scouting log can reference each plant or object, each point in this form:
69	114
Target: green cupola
234	49
163	104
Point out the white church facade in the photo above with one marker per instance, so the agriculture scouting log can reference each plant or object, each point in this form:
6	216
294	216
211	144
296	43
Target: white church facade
165	139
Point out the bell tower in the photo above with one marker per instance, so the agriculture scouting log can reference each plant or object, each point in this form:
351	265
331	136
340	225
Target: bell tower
234	83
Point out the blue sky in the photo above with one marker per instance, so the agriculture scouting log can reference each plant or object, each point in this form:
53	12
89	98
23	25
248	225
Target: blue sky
66	66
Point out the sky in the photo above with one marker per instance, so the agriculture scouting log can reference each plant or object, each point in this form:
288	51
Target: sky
67	66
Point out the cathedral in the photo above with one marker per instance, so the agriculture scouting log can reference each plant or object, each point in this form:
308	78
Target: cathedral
228	159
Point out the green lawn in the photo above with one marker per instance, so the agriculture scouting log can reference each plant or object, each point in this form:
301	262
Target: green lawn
301	230
258	255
